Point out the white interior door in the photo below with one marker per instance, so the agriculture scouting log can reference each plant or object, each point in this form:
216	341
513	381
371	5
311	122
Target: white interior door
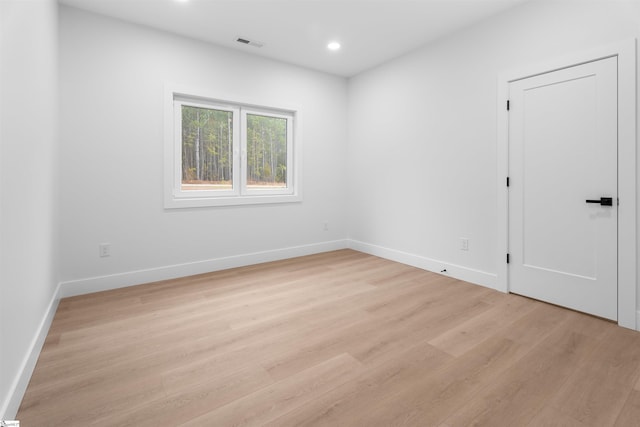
563	152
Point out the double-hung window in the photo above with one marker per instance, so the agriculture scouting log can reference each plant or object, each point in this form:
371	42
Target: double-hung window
225	153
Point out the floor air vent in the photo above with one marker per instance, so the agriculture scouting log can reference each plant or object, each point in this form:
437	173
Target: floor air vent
249	42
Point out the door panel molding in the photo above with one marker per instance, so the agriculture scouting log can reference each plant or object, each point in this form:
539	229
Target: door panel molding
625	51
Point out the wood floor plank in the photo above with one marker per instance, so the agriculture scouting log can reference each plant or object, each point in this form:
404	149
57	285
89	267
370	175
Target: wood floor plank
311	299
392	393
551	417
457	341
271	402
412	326
353	401
596	393
190	398
630	413
340	338
226	351
110	354
518	394
374	336
87	403
434	398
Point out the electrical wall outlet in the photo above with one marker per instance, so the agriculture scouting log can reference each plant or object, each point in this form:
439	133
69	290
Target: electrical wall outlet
464	244
104	250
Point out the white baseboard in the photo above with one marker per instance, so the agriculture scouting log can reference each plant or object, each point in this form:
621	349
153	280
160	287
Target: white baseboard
477	277
637	328
121	280
10	407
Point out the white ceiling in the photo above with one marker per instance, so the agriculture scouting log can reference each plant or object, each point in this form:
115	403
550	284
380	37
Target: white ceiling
297	31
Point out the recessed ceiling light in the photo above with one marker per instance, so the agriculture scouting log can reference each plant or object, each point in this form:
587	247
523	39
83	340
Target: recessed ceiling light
333	46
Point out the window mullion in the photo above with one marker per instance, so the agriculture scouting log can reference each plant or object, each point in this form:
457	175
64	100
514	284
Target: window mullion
244	168
237	152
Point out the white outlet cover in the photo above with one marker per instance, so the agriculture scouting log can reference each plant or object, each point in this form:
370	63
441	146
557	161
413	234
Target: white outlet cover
104	250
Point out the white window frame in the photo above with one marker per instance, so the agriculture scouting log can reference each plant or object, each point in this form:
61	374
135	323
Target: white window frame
180	194
243	141
175	197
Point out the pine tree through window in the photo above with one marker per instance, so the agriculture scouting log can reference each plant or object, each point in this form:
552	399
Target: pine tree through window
266	152
207	149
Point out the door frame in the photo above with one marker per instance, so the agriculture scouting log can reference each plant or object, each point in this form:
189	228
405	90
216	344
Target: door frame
625	51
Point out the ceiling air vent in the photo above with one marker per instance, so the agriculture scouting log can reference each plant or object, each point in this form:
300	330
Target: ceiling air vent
253	43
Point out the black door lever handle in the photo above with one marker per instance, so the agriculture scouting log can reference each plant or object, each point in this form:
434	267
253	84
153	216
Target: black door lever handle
604	201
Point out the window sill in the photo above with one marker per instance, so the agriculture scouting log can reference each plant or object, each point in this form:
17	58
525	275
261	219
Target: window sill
201	202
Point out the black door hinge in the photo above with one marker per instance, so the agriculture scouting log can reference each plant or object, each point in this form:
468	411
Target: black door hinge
507	181
507	258
508	105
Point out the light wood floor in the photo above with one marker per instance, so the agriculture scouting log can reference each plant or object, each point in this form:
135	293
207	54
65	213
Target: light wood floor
336	339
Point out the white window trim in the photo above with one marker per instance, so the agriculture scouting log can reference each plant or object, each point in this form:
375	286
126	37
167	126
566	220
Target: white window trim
205	98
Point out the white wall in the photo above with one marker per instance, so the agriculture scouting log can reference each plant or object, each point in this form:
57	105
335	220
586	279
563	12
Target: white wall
112	77
422	131
28	143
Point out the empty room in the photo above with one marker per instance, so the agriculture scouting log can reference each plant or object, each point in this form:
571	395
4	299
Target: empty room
319	212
